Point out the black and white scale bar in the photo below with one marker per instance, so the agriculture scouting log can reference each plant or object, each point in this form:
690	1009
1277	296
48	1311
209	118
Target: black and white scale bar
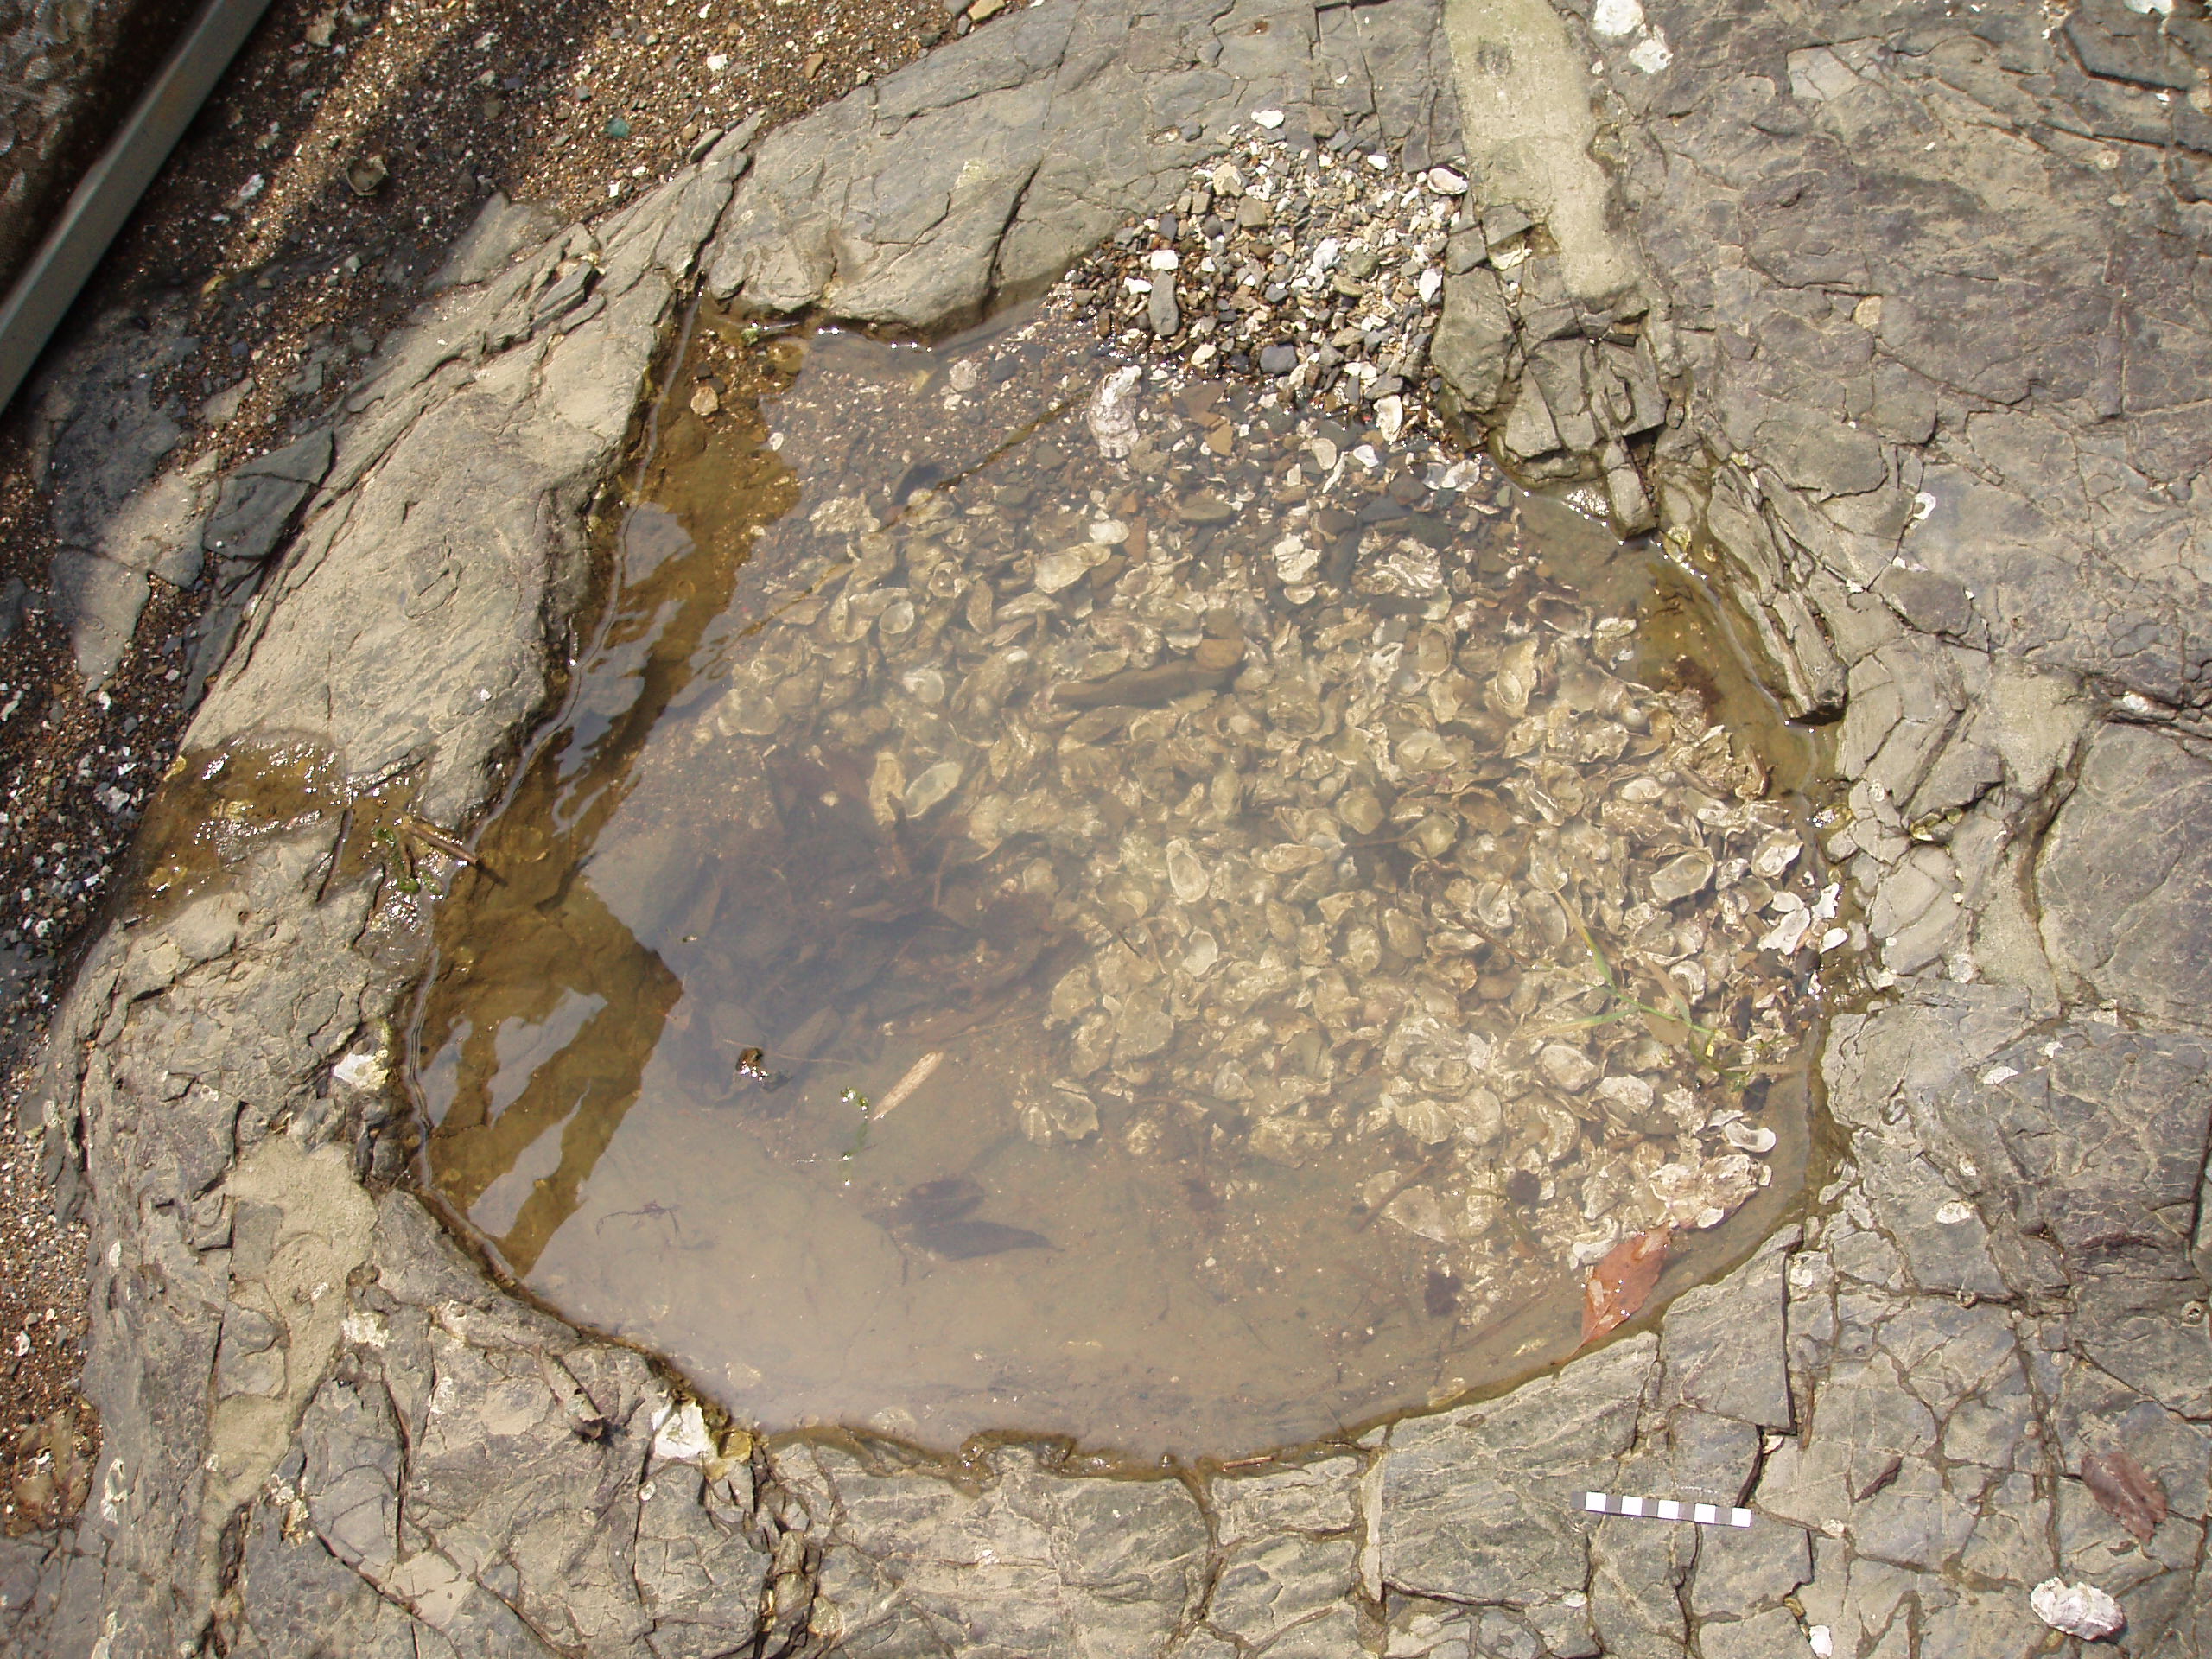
1666	1508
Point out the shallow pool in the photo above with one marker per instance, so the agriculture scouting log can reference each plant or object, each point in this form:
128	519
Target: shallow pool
1064	901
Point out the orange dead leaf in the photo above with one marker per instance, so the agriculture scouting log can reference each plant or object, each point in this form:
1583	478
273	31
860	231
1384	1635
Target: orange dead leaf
1619	1284
2126	1491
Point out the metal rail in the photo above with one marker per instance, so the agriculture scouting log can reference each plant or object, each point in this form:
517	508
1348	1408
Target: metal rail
104	198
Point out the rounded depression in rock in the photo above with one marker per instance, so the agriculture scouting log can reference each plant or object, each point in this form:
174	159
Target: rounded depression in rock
1038	917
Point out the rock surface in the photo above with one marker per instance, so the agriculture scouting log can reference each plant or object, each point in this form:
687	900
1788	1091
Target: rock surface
1919	291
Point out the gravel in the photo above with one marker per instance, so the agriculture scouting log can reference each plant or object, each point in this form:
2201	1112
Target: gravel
1310	264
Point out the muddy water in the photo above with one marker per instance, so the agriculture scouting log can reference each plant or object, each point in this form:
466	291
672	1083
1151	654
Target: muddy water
1114	909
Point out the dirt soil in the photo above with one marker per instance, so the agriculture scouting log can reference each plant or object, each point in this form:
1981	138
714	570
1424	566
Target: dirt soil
333	168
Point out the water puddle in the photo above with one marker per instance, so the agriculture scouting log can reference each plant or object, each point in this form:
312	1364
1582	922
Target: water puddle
215	805
1079	904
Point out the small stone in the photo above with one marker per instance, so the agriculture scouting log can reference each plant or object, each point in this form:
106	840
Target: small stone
1205	508
224	406
1445	182
1278	359
365	175
1269	118
1218	656
706	402
1160	311
618	127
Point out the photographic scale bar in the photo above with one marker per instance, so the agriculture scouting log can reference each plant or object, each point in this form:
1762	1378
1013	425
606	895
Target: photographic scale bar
1666	1508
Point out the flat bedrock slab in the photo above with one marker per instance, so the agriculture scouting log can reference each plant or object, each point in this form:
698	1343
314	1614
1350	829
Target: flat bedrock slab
1938	275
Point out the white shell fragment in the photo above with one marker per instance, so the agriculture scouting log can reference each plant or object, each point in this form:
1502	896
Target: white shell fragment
680	1434
1112	415
1187	873
365	1070
931	787
1061	570
1678	878
2080	1610
1774	854
1748	1137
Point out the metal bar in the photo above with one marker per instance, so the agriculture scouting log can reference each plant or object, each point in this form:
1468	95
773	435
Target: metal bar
104	198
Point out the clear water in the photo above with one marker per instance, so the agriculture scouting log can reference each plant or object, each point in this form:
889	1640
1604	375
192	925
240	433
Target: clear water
1137	917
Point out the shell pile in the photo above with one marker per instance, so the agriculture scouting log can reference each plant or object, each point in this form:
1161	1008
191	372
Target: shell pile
1319	269
1365	840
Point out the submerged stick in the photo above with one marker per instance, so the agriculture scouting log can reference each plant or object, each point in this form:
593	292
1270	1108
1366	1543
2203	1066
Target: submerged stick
916	1075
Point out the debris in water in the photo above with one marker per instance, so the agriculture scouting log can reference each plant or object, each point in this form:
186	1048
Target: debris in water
962	1239
945	1200
1619	1283
753	1064
915	1075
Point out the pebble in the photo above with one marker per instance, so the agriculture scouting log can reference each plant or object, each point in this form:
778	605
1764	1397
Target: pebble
1160	311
